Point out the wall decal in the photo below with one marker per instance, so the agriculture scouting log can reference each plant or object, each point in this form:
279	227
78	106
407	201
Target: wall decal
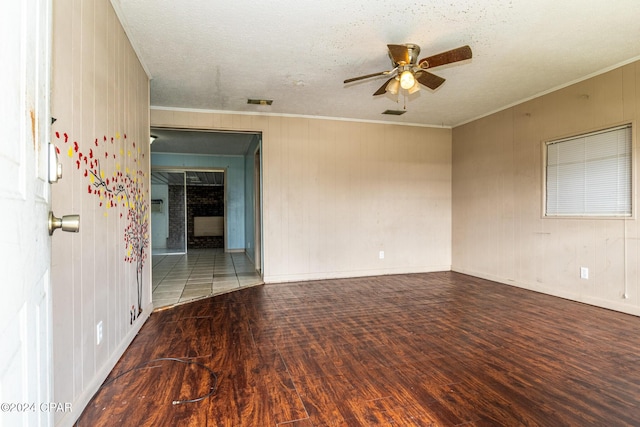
121	192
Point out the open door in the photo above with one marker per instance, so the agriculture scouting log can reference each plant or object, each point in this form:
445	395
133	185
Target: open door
25	306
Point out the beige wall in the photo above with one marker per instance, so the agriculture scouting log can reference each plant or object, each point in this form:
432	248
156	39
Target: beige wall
498	230
99	90
337	192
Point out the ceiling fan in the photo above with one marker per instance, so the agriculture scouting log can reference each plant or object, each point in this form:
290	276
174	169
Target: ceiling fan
407	71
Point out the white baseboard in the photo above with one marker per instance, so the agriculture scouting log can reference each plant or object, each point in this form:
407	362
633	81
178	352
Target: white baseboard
556	292
284	278
85	397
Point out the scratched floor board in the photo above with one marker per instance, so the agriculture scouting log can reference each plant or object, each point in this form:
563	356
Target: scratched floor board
436	349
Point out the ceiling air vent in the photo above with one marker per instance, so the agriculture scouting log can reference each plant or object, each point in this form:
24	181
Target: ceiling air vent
260	101
394	112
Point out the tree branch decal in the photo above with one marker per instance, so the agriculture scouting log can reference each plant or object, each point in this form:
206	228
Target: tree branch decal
123	190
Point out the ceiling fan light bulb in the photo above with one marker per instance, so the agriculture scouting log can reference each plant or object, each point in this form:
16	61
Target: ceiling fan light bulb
393	86
407	81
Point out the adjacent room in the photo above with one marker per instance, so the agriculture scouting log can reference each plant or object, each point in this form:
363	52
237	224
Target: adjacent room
204	213
302	214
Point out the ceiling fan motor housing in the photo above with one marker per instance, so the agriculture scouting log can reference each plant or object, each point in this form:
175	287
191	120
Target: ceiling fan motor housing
412	52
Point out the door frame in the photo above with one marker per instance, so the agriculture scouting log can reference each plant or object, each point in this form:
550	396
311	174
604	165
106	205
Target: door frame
257	207
184	171
184	185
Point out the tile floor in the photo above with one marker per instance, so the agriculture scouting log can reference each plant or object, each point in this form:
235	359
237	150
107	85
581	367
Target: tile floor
199	273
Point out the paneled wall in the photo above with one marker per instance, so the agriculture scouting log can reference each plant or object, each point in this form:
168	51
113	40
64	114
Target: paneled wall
336	193
498	229
101	275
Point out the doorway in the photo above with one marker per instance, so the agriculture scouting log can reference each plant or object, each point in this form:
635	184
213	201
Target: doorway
227	238
188	210
168	210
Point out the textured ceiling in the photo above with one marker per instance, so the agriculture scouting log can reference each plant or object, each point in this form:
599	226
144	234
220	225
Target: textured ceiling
213	55
195	178
197	142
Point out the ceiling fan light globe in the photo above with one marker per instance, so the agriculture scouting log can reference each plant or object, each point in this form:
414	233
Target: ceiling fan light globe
407	80
414	88
393	86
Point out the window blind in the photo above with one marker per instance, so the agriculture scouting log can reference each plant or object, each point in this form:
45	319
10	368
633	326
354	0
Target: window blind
590	174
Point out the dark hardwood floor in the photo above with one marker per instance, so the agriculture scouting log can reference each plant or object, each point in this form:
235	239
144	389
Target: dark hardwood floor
437	349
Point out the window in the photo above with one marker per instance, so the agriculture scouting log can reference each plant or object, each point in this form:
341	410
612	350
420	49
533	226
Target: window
590	174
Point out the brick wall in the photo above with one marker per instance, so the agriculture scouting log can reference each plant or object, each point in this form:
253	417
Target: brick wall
204	201
176	217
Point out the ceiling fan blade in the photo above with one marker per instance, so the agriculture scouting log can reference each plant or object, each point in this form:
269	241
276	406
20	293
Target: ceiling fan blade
399	53
429	80
454	55
355	79
383	88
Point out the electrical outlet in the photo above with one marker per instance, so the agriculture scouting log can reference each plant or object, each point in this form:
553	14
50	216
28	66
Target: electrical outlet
381	255
99	333
584	273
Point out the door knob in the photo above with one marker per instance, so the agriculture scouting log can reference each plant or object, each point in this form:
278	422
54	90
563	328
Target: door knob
67	223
